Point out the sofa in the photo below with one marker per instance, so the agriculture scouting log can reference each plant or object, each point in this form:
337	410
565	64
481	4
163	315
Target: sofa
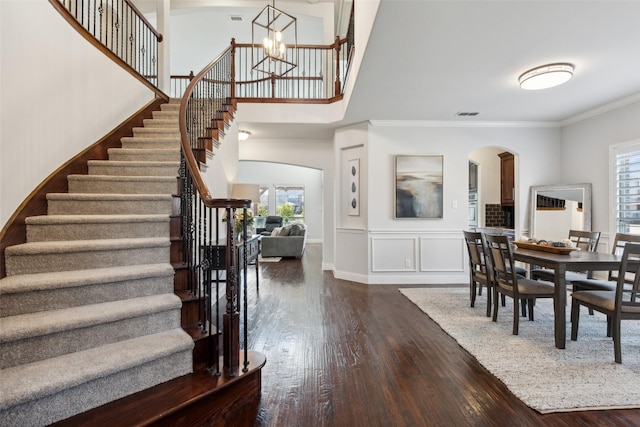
287	241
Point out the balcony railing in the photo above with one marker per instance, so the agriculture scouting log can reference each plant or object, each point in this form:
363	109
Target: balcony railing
120	31
319	77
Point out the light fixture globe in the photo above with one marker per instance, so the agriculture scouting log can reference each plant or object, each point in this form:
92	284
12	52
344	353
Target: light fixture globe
243	135
546	76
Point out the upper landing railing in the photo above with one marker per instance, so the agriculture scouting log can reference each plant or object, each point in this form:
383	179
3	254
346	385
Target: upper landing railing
120	31
319	76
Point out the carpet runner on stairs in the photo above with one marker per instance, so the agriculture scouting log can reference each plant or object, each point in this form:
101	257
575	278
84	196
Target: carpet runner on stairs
87	310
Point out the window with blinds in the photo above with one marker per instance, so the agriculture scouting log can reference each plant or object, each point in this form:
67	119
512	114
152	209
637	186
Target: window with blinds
627	177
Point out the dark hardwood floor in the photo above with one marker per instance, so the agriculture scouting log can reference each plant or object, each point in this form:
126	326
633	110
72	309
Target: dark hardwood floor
346	354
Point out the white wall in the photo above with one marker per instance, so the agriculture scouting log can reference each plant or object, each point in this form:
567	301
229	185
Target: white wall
351	260
585	153
266	173
199	34
432	251
59	95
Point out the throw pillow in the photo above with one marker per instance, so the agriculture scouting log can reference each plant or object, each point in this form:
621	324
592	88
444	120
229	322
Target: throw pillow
296	230
285	230
276	231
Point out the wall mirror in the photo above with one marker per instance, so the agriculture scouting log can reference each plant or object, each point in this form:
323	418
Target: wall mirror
556	209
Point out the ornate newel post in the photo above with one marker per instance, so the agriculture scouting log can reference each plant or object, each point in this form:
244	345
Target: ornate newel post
231	317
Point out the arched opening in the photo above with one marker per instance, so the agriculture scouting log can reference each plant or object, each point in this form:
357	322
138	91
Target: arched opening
493	191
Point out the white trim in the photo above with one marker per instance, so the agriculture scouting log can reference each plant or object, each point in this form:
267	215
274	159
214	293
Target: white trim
602	109
457	124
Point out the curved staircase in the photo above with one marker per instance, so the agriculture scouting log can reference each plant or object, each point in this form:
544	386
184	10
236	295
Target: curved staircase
88	312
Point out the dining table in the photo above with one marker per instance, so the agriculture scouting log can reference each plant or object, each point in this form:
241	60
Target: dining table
560	263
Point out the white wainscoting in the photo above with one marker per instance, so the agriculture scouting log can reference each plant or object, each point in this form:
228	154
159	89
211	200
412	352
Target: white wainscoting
394	254
442	253
407	257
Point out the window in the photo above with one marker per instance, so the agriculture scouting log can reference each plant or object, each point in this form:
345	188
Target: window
290	203
263	205
627	188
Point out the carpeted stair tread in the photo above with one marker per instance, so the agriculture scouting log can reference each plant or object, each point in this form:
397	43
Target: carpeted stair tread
40	257
30	293
70	279
49	322
160	140
121	178
162	132
94	219
84	245
161	123
108	203
133	168
48	228
35	380
144	154
122	184
150	143
115	197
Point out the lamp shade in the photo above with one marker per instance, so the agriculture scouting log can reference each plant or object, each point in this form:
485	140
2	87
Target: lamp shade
246	192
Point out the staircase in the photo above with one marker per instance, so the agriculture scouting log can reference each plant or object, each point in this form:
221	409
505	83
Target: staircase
88	312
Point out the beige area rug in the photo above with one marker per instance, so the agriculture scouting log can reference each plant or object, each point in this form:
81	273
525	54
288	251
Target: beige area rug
269	259
583	376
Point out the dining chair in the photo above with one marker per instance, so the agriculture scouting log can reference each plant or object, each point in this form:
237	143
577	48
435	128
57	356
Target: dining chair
609	284
583	240
623	303
619	243
479	271
499	231
507	282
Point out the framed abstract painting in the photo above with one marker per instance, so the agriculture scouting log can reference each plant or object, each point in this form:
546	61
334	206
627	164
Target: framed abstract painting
418	190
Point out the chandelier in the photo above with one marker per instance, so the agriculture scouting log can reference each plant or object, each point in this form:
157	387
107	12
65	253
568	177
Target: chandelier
274	36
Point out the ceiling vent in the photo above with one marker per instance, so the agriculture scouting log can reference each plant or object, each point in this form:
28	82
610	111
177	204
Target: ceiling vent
236	18
467	113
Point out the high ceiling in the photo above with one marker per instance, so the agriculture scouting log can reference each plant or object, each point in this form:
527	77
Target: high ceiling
427	60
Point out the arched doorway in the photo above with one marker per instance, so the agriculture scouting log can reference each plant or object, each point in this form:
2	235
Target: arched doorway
492	193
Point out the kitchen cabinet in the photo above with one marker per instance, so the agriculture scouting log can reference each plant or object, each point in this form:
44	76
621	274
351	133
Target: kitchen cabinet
507	179
473	177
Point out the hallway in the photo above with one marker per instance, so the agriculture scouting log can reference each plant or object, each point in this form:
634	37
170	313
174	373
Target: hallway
346	354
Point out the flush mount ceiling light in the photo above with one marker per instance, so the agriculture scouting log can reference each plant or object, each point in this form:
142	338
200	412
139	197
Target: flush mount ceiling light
546	76
243	135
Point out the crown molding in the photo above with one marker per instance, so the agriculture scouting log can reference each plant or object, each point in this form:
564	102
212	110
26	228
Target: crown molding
456	124
602	109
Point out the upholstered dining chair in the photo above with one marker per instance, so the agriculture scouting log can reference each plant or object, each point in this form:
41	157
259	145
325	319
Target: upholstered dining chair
619	243
508	282
498	231
609	284
583	240
479	271
620	304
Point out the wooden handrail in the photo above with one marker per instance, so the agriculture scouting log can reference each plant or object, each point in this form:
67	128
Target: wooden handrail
66	14
190	159
303	46
143	19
